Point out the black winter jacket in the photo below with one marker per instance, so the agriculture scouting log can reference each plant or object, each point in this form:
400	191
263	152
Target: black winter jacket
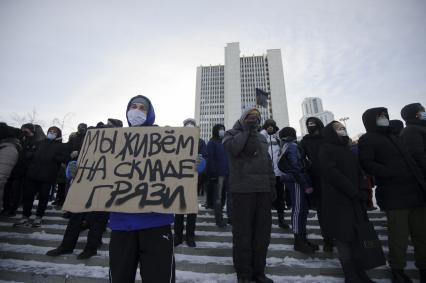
47	159
400	183
342	185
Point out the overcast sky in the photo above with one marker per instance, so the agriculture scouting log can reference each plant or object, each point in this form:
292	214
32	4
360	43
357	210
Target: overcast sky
87	58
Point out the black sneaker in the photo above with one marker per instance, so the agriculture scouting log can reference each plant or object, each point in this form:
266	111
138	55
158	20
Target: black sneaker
85	254
36	223
23	222
58	251
399	276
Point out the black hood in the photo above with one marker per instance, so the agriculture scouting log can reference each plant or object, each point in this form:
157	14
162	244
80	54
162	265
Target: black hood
369	119
408	113
317	121
215	131
330	135
319	125
269	123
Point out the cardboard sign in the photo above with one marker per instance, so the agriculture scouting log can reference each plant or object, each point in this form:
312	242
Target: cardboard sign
138	169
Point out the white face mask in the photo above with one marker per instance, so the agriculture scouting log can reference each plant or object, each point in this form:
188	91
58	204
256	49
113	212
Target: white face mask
221	133
136	117
341	133
382	122
51	136
422	116
189	126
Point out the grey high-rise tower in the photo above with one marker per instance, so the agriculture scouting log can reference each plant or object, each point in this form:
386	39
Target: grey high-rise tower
223	92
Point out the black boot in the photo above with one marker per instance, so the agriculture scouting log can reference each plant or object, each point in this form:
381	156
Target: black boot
177	240
58	251
281	221
399	276
242	279
302	245
85	254
351	274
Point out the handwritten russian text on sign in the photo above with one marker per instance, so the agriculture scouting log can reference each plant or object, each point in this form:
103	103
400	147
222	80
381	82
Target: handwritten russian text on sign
139	169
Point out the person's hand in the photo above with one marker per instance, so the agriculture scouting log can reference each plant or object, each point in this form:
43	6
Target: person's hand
74	154
309	190
251	122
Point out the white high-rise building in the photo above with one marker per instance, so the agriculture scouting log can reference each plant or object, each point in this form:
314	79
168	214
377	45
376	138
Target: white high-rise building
312	107
223	92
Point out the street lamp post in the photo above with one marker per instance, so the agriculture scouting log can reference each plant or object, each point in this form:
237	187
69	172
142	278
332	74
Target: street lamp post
344	119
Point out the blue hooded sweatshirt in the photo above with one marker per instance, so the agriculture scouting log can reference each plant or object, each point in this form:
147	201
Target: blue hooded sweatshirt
137	221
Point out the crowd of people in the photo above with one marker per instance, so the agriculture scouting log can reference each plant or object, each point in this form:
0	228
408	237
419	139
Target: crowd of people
252	169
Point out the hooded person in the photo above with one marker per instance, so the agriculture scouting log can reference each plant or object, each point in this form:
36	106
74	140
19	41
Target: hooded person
298	184
41	175
414	134
400	190
311	144
218	172
252	186
270	132
191	218
343	195
141	238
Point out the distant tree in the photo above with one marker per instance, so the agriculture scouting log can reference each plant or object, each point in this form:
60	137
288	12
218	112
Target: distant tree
30	117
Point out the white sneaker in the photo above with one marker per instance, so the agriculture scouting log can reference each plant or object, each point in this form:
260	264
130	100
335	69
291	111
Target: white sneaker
37	222
23	222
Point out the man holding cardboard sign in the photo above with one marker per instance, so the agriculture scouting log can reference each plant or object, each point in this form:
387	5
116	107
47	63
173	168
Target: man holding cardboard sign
142	175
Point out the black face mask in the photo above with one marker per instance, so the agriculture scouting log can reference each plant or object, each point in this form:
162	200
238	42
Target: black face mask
312	129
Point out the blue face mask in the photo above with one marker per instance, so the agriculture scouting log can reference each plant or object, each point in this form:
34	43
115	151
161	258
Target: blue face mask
51	136
422	116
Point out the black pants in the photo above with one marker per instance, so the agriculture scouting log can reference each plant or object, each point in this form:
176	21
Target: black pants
32	188
190	224
12	194
279	201
60	193
251	232
97	222
151	248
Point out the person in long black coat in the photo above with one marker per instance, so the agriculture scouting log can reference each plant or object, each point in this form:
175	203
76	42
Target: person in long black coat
311	144
343	198
400	191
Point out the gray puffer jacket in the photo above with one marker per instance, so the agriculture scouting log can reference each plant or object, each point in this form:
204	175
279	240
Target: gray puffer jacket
249	161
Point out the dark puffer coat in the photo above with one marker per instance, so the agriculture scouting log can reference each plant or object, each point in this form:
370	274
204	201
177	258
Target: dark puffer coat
250	166
414	135
46	161
400	183
342	185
